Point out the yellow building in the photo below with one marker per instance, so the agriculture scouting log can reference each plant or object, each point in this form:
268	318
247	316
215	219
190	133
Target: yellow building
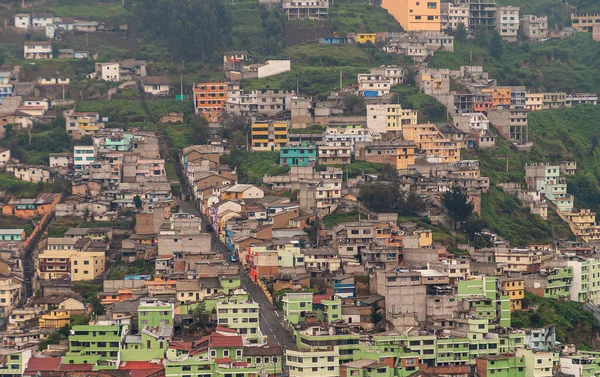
396	117
534	101
430	140
10	293
269	135
425	237
514	288
415	14
87	265
70	264
366	37
55	319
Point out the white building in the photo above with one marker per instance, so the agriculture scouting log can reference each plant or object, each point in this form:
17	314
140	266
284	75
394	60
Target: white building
468	122
507	22
371	85
273	67
37	50
4	156
108	71
382	118
156	85
83	156
347	134
42	20
453	15
534	27
22	20
58	160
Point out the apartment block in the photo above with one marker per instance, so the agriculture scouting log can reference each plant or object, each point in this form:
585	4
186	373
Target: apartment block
452	15
210	99
98	345
323	363
259	101
349	134
335	152
269	135
429	140
303	154
382	118
14	361
415	15
306	10
553	283
482	14
37	50
399	154
241	316
373	85
552	101
534	101
538	364
154	312
581	99
585	22
534	27
511	123
507	22
514	288
505	365
80	124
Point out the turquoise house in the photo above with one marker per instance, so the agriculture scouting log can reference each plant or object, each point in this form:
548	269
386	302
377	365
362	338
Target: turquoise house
303	154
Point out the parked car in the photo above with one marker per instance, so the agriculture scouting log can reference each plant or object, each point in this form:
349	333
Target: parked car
233	258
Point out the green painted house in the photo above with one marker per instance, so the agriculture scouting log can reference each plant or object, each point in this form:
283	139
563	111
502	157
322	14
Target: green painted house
153	312
14	361
241	316
98	345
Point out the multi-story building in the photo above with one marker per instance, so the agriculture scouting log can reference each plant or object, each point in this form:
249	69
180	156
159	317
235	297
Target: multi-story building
210	99
580	99
373	85
306	10
415	15
70	264
554	283
507	22
82	124
347	134
321	193
382	118
468	122
452	15
37	50
556	100
534	101
323	363
534	27
98	345
10	293
405	294
505	365
242	316
296	305
258	101
482	14
514	288
83	156
399	154
538	364
14	361
429	139
335	152
269	135
585	22
434	82
153	312
391	72
511	123
303	154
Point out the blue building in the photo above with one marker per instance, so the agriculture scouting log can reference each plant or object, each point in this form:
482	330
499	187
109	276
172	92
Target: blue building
303	154
333	40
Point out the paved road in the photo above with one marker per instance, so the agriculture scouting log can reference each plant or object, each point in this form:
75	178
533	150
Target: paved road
270	318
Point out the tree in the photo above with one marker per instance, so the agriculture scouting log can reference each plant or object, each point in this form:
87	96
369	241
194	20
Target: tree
379	197
458	205
137	201
461	33
200	317
376	316
412	204
199	131
496	46
355	105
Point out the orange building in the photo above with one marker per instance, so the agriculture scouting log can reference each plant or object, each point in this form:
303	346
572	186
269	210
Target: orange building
430	140
209	100
500	95
28	208
415	15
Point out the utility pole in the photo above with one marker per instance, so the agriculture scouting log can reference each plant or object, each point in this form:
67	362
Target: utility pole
23	4
181	99
341	81
507	163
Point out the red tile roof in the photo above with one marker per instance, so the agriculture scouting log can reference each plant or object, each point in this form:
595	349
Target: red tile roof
76	367
240	364
225	329
222	341
139	365
42	364
183	346
318	298
223	360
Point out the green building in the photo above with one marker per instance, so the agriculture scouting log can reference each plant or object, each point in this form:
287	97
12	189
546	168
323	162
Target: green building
153	312
296	305
241	316
14	362
98	345
559	284
485	300
150	343
329	310
500	366
303	154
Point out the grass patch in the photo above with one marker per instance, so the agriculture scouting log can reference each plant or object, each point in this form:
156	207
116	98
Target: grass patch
430	109
355	17
357	168
115	224
117	110
11	222
122	269
252	166
179	134
61	225
160	107
338	218
308	130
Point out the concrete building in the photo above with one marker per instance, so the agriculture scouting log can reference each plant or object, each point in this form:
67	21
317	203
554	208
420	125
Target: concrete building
242	317
322	363
415	15
108	71
37	50
306	10
79	124
98	345
511	123
399	154
585	22
538	364
382	118
580	99
335	152
373	85
210	100
555	100
269	135
482	14
83	156
452	15
507	22
534	27
303	154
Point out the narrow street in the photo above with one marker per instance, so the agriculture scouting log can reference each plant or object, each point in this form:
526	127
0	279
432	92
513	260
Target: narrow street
270	318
